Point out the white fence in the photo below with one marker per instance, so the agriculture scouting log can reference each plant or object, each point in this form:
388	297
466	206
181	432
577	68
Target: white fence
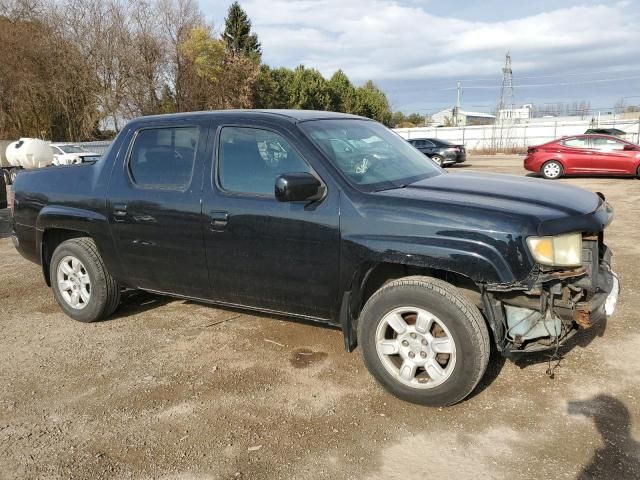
518	135
492	137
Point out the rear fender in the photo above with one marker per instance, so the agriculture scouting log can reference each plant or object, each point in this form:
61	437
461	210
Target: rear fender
81	221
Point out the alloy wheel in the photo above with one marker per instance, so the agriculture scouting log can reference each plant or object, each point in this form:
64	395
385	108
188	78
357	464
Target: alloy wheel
74	283
415	347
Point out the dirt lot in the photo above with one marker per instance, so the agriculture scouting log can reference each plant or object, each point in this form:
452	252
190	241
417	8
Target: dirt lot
176	390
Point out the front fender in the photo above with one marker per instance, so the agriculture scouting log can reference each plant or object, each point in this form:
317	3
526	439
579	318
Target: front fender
478	260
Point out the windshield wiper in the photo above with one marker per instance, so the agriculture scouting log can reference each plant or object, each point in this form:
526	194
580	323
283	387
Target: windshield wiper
395	187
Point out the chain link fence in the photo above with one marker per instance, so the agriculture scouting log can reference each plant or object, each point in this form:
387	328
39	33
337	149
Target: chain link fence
97	146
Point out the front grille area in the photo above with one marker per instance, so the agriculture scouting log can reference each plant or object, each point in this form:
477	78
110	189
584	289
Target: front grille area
592	251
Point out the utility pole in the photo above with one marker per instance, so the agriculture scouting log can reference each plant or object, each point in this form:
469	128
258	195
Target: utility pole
456	109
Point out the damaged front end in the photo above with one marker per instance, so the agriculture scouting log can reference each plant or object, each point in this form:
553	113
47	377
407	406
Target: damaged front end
554	303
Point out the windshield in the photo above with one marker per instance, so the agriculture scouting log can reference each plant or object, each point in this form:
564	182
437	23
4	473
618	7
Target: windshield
71	149
369	155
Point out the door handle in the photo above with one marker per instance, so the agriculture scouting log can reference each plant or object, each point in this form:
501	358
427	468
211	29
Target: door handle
119	211
218	220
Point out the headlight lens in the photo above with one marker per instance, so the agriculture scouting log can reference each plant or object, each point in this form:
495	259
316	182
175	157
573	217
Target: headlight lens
557	251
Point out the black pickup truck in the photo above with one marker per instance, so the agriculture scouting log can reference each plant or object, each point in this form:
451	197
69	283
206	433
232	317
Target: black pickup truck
268	210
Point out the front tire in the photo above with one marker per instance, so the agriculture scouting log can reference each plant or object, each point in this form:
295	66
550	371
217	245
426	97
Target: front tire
551	170
81	284
424	341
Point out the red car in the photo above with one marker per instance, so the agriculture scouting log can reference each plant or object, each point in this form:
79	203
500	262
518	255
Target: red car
584	155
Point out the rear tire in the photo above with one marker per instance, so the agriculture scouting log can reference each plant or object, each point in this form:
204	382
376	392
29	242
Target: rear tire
424	341
81	284
552	170
437	159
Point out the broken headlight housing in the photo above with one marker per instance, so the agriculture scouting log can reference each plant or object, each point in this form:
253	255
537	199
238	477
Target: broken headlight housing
557	251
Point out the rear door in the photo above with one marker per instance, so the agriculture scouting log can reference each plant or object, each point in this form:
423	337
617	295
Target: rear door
611	157
577	154
155	212
430	147
263	253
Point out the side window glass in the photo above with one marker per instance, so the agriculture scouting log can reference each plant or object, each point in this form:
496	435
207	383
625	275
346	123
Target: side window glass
577	142
607	144
250	159
164	157
429	144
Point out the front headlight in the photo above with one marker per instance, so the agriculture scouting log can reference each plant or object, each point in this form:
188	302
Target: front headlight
558	251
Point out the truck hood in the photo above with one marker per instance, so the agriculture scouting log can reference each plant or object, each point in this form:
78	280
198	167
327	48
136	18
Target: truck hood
553	206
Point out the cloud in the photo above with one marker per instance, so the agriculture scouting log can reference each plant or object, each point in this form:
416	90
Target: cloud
389	40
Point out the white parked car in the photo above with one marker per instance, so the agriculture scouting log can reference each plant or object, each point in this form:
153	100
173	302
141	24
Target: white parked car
68	154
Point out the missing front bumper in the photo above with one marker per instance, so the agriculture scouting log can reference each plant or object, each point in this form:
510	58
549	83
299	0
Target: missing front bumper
558	305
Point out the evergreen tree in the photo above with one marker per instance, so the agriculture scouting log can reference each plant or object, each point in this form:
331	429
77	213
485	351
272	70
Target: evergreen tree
371	102
342	93
309	90
237	34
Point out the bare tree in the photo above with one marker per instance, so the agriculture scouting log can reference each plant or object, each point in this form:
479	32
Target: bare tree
177	18
38	97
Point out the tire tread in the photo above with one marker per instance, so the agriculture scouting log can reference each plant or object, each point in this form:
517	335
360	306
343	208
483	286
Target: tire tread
112	287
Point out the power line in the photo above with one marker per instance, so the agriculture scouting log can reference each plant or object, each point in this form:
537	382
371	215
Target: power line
557	84
568	74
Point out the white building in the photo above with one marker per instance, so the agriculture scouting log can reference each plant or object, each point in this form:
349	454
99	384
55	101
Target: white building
515	114
445	118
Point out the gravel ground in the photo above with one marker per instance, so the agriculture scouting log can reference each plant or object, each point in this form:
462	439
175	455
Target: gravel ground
171	389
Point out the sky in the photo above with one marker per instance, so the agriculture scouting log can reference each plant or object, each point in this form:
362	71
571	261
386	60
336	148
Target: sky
416	51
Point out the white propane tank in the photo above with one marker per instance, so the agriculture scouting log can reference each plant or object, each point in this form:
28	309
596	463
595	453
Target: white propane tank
29	153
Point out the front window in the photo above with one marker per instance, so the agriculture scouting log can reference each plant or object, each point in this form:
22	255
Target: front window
605	144
369	155
250	159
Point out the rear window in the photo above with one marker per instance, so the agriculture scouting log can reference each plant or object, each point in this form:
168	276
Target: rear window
576	142
164	157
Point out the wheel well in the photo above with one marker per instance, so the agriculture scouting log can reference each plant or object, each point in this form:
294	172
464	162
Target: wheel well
386	272
51	238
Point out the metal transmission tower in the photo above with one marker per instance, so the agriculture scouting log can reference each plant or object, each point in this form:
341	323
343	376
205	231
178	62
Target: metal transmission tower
506	101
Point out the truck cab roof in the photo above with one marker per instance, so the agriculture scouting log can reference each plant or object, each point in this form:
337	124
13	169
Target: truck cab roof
293	116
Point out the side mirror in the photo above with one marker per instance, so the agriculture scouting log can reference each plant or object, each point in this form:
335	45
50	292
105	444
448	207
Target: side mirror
298	187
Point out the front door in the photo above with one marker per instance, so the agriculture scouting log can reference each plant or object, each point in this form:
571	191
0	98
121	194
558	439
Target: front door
264	253
611	157
155	212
